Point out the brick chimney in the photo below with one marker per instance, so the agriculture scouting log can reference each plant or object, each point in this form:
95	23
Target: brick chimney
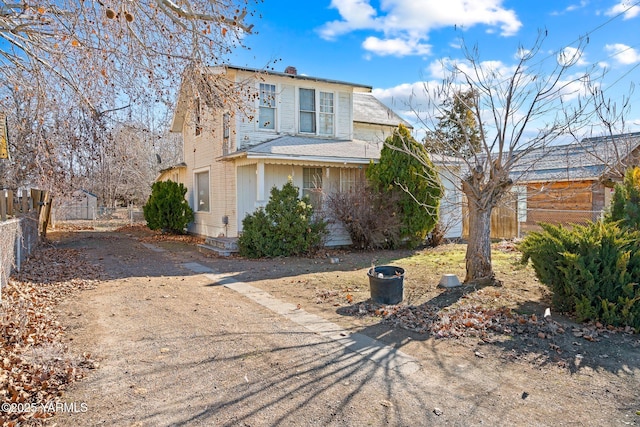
291	70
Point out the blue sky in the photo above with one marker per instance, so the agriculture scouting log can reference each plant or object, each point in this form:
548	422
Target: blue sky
394	45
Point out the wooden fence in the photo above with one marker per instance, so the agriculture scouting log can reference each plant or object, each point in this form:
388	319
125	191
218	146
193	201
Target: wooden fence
16	203
504	220
24	218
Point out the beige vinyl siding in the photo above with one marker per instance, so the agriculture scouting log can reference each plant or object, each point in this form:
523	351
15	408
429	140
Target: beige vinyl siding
247	195
343	116
201	153
372	133
287	109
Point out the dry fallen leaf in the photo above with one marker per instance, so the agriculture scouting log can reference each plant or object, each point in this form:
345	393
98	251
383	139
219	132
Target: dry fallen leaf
29	327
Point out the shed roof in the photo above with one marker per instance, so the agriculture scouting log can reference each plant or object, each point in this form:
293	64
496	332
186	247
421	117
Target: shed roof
589	158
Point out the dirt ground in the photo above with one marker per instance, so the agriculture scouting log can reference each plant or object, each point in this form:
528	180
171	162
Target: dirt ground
174	347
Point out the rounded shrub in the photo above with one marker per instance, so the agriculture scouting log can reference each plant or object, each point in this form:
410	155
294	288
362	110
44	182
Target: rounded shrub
285	227
592	270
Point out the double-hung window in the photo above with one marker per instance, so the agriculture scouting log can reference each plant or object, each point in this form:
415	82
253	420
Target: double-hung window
267	113
325	124
351	179
308	110
316	117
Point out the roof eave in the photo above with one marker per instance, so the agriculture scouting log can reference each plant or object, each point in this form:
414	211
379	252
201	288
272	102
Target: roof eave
319	159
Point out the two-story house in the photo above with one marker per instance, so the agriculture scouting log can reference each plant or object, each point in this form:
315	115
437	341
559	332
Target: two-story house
321	133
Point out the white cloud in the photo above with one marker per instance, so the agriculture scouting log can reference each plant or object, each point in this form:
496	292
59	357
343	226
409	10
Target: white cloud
405	24
624	6
571	8
395	46
623	54
356	15
443	68
570	56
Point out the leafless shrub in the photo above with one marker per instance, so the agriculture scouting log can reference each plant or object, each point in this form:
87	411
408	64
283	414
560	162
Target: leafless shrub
370	218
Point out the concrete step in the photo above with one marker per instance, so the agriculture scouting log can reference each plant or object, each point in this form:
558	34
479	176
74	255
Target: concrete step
225	243
223	246
204	248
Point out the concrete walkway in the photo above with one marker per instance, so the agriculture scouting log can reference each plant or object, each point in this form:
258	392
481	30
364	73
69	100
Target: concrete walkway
370	348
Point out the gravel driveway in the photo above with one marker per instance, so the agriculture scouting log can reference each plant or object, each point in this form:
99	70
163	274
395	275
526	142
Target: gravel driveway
181	341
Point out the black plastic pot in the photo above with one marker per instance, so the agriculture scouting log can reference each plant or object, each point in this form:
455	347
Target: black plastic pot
386	283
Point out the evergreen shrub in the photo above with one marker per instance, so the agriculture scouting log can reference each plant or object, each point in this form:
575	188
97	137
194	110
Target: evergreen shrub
286	226
592	270
406	174
167	209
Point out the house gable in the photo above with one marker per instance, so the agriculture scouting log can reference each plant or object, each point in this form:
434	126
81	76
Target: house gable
270	140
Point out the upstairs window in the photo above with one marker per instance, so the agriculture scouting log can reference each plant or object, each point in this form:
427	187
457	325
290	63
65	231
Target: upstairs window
267	114
196	118
325	125
308	110
321	103
226	125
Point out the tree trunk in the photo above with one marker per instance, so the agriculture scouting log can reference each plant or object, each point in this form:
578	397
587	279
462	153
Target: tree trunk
478	258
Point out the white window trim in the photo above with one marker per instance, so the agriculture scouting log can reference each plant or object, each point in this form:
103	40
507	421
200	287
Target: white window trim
317	112
276	110
299	110
196	190
332	114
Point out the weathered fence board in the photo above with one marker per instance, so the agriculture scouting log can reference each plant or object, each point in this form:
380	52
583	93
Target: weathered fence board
23	220
504	220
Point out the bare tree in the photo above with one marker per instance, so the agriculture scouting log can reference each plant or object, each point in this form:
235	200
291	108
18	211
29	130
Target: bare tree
138	47
609	142
67	65
517	109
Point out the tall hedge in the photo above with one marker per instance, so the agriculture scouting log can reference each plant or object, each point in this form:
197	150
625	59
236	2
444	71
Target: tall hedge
167	209
406	172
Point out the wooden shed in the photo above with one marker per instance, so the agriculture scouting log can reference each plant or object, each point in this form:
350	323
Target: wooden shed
562	184
571	184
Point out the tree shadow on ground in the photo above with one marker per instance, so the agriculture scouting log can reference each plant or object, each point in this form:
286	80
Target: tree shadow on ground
524	336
